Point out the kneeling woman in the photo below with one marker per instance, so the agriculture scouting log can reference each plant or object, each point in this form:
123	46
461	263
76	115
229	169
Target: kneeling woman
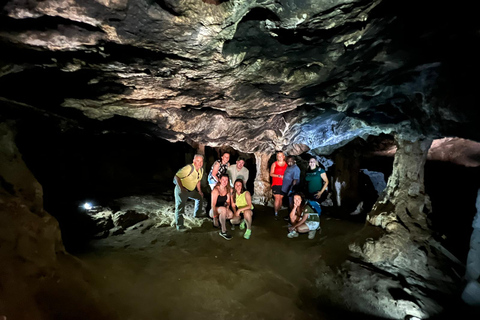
242	203
303	218
220	205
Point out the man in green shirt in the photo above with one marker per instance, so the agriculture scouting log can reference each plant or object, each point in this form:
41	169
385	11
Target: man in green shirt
187	180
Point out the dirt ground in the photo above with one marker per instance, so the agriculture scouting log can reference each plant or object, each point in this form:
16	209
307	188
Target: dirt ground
154	272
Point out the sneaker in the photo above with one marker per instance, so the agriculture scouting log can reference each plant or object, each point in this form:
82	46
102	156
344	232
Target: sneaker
276	216
311	234
181	228
225	235
292	234
286	218
233	227
247	234
242	225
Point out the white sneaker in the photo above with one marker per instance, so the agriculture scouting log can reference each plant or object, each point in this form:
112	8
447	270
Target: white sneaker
292	234
311	234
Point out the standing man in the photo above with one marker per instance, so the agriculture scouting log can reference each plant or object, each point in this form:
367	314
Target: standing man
187	179
238	171
291	179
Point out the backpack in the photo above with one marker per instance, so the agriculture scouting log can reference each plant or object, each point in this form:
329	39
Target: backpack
191	170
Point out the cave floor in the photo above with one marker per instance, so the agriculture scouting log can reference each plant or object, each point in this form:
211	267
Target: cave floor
160	273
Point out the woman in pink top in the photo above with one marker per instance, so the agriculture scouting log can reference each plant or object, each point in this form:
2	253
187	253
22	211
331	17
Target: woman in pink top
276	172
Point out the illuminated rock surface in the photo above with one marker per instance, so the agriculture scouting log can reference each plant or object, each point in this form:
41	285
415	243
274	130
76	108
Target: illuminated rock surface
252	76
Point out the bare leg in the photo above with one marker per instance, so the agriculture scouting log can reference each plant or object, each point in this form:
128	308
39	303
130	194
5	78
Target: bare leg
247	215
222	212
215	219
278	202
223	222
235	220
303	228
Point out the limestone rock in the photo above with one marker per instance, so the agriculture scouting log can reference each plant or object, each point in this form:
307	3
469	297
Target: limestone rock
35	270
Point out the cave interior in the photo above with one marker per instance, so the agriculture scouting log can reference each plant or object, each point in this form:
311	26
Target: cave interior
104	101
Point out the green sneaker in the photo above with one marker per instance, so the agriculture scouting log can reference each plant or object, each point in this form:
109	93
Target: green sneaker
242	225
247	234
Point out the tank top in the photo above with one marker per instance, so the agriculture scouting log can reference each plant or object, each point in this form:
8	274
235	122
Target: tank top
241	201
280	171
221	201
221	170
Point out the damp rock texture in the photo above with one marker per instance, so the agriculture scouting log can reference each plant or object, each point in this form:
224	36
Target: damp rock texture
255	75
35	270
407	252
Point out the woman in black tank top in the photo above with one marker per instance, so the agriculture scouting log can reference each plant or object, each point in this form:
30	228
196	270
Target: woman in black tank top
221	200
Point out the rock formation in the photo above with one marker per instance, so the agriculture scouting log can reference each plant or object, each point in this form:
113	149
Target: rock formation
34	267
407	249
252	75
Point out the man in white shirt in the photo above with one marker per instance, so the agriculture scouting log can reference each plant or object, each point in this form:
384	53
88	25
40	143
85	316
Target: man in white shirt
238	171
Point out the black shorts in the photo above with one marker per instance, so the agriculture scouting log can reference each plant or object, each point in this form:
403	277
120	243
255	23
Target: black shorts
278	190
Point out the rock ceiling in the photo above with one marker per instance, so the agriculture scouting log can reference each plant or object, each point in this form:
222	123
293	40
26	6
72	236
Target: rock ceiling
255	75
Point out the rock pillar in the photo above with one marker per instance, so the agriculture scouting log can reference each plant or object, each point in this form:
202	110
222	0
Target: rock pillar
405	191
406	249
262	193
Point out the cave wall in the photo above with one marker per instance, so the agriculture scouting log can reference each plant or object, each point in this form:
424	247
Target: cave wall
36	273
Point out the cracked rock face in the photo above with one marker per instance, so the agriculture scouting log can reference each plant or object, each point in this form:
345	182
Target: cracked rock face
255	75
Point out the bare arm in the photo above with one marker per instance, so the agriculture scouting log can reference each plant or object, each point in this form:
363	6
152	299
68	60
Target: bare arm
229	198
214	201
199	188
272	170
302	221
216	166
179	183
325	184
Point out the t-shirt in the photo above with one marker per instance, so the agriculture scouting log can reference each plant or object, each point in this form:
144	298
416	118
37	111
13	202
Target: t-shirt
314	180
291	173
235	174
190	181
312	215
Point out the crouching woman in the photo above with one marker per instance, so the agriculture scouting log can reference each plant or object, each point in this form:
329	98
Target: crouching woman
221	200
303	218
242	204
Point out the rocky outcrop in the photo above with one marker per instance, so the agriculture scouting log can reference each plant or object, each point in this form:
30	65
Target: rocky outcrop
407	250
292	75
35	270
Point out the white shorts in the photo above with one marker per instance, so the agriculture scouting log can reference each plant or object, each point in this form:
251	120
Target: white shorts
312	225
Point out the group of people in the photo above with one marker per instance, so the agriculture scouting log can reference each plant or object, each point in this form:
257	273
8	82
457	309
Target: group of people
231	201
304	210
